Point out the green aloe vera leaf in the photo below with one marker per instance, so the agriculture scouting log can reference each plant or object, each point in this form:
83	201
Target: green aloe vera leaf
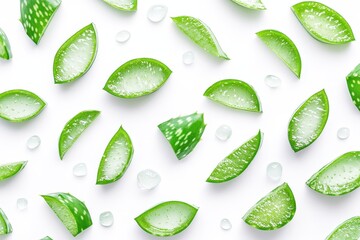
353	83
11	169
5	49
348	230
5	226
124	5
251	4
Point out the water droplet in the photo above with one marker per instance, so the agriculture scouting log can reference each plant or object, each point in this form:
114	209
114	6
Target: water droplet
188	58
148	179
225	224
106	219
223	132
122	36
21	204
33	142
80	170
274	171
272	81
157	13
343	133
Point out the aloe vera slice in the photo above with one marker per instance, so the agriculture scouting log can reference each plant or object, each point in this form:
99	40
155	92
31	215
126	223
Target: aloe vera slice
36	16
308	121
124	5
273	211
5	226
251	4
235	94
46	238
5	49
237	162
76	56
71	211
183	133
74	128
116	158
11	169
201	34
323	23
167	219
348	230
137	77
353	83
338	177
283	47
20	105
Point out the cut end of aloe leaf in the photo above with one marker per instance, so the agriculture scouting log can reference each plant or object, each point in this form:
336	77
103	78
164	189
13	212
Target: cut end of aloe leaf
47	238
20	105
116	158
273	211
11	169
137	77
124	5
308	121
251	4
5	226
167	219
338	177
353	83
201	34
235	94
323	23
183	133
74	128
348	230
237	162
36	16
283	47
71	211
5	49
76	56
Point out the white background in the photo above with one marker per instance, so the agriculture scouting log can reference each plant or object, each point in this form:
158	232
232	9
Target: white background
324	66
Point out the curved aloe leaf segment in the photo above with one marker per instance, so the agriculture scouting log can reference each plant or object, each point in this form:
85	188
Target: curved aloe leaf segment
5	226
11	169
124	5
47	238
201	34
20	105
137	77
338	177
71	211
353	83
76	56
308	121
283	47
167	219
36	16
5	49
235	94
236	163
273	211
323	23
183	133
348	230
74	128
116	158
251	4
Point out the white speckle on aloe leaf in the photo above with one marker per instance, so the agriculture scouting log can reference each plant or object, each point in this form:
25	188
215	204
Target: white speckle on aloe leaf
106	219
33	142
157	13
123	36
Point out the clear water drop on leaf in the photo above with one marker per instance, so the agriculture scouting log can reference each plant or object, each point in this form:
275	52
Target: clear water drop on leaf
21	204
157	13
274	171
123	36
106	219
33	142
148	179
225	224
188	58
80	170
272	81
343	133
223	132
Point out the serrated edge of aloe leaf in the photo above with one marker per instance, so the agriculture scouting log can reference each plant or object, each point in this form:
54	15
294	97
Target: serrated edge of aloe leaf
245	5
220	52
185	226
292	44
86	112
286	187
319	172
354	76
22	91
121	8
65	44
339	227
168	73
321	130
7	223
258	135
121	131
22	166
320	39
7	47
